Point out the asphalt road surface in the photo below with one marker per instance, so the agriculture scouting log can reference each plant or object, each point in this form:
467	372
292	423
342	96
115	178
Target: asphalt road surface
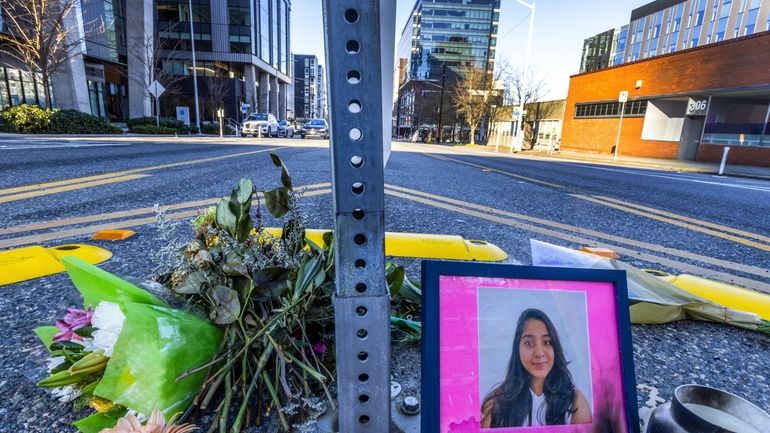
61	191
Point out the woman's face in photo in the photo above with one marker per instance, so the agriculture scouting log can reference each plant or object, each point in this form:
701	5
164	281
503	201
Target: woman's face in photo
535	349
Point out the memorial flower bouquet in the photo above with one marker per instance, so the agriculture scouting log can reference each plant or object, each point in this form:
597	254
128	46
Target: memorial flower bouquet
123	352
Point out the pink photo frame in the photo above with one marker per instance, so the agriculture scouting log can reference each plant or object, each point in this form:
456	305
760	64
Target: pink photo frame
476	369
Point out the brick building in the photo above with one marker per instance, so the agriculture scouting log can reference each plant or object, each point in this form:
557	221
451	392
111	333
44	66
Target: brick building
686	105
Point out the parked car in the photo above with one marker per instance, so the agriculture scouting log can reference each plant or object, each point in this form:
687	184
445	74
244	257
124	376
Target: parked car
285	129
316	128
265	122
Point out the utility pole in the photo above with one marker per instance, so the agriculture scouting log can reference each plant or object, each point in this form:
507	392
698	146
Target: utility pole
520	130
194	68
441	105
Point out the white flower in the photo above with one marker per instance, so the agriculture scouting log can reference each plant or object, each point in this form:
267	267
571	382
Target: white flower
65	394
54	362
108	320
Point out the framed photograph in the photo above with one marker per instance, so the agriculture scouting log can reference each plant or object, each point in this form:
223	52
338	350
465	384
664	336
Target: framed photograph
526	349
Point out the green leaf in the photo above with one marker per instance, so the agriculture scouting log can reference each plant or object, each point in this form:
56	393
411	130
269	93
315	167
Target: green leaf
226	219
235	269
244	228
307	274
285	177
245	191
227	305
277	201
394	275
272	281
192	284
69	345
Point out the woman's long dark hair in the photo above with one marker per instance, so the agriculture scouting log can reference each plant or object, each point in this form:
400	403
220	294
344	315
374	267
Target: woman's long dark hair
510	403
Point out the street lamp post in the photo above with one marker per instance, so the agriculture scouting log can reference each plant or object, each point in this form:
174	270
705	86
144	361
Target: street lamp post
519	132
194	68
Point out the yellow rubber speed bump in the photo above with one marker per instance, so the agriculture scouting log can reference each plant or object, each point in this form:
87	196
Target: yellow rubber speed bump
425	246
726	295
113	235
27	263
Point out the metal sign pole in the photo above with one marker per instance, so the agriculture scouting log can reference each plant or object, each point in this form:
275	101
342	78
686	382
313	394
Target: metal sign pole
362	302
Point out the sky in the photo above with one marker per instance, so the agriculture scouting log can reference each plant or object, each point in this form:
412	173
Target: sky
559	30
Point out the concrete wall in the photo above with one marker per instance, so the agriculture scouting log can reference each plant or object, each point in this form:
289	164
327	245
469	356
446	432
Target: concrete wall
139	30
734	64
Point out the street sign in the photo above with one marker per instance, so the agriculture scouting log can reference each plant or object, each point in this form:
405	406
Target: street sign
623	96
245	108
183	115
156	89
516	113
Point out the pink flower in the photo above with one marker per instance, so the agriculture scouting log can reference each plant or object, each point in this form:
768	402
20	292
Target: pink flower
78	318
320	348
73	320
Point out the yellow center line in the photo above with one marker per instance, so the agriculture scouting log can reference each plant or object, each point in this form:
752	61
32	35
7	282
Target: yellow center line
81	185
688	219
128	223
130	213
126	172
494	170
672	221
485	210
737	236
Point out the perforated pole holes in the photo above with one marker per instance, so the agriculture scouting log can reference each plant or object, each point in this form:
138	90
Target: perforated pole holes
361	302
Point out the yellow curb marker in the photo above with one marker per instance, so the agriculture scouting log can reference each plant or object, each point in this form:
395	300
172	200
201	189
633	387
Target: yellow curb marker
27	263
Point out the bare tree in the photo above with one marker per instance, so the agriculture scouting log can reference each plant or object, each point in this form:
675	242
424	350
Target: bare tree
41	36
477	90
217	89
525	91
149	57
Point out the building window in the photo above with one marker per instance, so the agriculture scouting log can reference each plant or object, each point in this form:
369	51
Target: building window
751	17
635	108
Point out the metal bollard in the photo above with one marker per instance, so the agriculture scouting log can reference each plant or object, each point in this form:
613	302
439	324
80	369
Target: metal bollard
724	160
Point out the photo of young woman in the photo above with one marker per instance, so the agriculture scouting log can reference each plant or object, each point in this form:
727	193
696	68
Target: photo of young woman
538	388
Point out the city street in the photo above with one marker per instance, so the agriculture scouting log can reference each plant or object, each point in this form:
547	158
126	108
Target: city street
55	192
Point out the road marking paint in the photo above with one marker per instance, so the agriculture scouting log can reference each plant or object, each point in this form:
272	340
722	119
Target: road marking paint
120	224
130	213
65	188
58	146
126	172
686	218
655	214
753	270
753	188
503	172
672	221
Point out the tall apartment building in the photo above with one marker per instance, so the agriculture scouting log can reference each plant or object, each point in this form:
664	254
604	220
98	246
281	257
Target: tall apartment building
438	38
309	88
242	46
667	26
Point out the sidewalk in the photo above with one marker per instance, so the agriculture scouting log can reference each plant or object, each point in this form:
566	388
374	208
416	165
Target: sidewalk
630	161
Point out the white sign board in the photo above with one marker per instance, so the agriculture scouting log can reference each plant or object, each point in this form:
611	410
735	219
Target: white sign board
623	96
387	52
183	115
156	89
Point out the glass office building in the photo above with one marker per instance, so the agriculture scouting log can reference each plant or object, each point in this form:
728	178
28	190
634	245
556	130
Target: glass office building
243	45
439	37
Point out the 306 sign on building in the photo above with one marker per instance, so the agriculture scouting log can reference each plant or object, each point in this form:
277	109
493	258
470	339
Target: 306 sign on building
697	107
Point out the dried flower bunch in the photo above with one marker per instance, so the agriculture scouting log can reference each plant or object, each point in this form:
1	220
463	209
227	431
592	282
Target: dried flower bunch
272	296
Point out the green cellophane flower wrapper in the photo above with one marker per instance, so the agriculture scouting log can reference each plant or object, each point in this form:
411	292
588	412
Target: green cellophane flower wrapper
97	285
156	345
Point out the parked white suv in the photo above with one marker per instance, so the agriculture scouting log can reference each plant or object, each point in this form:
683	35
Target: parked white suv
265	122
